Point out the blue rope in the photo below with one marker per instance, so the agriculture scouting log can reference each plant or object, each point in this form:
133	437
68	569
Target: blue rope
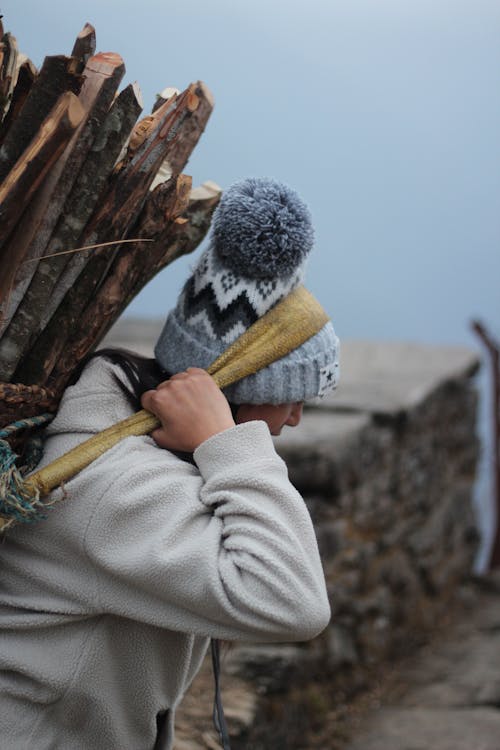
18	502
25	424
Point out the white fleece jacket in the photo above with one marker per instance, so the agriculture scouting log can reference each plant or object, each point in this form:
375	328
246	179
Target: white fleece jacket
106	607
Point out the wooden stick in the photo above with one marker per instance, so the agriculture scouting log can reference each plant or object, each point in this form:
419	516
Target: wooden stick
199	105
493	348
175	238
142	130
26	77
8	71
203	201
47	289
84	47
57	75
31	168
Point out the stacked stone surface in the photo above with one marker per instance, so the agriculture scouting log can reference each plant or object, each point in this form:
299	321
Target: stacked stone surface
387	467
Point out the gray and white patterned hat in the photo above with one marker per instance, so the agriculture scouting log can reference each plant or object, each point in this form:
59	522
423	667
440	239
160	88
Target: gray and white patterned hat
260	239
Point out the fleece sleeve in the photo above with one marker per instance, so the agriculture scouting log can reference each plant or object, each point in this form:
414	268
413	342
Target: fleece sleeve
226	551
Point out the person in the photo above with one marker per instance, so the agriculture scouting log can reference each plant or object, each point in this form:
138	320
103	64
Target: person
167	541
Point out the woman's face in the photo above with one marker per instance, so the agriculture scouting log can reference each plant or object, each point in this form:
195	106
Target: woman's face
275	415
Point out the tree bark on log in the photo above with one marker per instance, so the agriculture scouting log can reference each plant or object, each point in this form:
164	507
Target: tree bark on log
57	75
103	74
189	232
8	70
180	236
199	105
84	46
181	122
46	289
24	178
25	79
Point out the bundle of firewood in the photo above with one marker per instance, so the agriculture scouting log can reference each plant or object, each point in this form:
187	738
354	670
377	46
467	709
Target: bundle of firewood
92	205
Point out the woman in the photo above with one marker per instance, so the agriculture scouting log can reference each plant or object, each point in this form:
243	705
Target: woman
107	606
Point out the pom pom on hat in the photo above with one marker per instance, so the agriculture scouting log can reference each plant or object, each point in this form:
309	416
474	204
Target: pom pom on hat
262	229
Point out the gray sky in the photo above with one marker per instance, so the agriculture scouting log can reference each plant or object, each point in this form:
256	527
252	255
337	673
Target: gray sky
383	114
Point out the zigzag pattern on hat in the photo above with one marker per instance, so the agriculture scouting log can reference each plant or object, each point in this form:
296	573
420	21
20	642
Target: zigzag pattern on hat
220	323
226	304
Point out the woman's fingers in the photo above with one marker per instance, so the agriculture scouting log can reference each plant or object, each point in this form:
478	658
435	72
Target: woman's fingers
191	408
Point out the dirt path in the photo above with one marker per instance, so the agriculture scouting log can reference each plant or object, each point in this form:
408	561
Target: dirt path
446	696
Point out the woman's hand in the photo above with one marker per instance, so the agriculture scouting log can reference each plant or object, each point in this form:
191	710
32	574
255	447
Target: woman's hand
191	408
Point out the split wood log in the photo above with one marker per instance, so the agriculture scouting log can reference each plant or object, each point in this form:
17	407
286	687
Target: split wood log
181	122
103	74
46	290
84	46
57	75
140	133
8	70
177	238
25	79
186	227
24	178
189	231
164	96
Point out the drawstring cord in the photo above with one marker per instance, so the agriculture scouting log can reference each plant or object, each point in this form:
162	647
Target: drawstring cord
218	713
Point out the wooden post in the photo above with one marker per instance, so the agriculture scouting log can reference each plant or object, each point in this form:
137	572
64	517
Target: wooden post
84	46
8	70
57	75
25	79
493	348
24	178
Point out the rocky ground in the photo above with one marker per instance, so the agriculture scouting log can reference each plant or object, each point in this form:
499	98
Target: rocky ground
444	696
447	696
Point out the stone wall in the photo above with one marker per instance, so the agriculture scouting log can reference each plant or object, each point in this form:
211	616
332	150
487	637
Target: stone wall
386	466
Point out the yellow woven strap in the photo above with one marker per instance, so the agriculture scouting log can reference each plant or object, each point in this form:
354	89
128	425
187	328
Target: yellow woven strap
281	330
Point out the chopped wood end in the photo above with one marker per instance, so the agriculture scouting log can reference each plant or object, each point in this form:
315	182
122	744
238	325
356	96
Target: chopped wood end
105	63
193	102
206	92
138	94
86	31
208	189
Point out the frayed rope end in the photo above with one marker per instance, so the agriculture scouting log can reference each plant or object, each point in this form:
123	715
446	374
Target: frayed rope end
19	499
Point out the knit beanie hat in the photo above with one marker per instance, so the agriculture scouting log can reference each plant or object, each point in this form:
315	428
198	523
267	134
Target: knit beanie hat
260	239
